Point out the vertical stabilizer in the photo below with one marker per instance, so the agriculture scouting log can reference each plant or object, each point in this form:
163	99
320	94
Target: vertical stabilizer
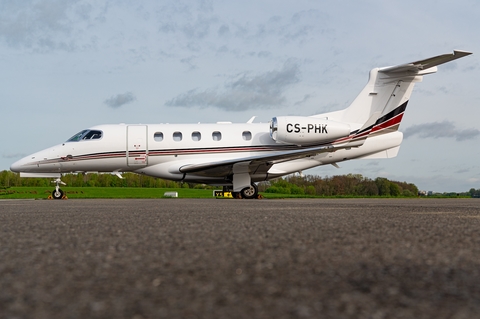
382	95
385	97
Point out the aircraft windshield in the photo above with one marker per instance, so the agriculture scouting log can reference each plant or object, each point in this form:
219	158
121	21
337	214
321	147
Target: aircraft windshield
86	135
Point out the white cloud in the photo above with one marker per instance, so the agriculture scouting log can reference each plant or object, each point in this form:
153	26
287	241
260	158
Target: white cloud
445	129
119	100
43	25
244	91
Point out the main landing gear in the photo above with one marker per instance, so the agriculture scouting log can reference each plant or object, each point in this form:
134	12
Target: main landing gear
58	193
250	192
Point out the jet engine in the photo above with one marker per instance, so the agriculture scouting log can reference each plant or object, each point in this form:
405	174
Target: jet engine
302	130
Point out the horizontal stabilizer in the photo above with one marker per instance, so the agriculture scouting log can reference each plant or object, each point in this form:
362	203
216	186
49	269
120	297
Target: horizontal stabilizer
418	66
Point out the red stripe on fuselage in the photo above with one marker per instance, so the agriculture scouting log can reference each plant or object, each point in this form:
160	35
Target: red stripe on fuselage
392	122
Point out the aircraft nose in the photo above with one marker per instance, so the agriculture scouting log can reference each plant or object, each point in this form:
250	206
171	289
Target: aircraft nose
17	166
20	165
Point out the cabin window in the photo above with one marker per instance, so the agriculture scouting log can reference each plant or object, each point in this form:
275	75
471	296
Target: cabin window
86	135
196	136
247	135
177	136
217	136
158	136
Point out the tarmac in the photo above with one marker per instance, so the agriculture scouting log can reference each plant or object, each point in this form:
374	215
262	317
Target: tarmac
221	258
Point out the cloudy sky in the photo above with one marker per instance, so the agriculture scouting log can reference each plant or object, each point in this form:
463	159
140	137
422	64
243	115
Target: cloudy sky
66	65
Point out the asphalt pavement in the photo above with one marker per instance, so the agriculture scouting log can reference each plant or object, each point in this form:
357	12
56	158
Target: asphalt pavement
220	258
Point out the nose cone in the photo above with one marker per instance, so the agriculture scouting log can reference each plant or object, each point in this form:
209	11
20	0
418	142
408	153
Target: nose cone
40	162
17	166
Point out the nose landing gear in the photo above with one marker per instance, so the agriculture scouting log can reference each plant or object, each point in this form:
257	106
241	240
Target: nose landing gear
58	193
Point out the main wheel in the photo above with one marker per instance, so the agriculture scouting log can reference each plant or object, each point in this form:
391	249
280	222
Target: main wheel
57	194
250	192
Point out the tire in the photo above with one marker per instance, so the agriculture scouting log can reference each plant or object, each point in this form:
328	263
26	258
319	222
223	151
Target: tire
250	192
57	195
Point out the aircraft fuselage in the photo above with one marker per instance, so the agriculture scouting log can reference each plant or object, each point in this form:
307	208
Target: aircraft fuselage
159	150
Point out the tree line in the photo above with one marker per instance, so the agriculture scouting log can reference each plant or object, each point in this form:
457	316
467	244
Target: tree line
339	185
474	192
346	185
11	179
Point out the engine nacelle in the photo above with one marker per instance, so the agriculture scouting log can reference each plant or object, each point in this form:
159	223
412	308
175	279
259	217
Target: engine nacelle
302	130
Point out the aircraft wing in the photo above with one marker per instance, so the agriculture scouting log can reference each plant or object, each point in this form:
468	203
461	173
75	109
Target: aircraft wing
418	66
261	163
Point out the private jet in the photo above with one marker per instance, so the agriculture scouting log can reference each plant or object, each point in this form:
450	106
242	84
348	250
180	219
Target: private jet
236	156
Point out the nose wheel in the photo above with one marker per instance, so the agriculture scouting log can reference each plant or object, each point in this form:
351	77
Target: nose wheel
58	193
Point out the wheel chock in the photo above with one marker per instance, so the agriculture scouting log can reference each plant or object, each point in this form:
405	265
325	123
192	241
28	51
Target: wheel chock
51	197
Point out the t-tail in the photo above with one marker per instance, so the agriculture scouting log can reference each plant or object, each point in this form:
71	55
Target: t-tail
379	108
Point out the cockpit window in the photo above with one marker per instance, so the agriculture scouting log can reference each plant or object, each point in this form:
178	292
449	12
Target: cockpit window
77	137
92	135
86	135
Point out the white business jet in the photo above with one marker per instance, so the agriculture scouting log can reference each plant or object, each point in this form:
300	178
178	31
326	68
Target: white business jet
236	155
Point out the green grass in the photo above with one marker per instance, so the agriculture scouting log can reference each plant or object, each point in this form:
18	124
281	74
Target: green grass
119	192
134	192
102	192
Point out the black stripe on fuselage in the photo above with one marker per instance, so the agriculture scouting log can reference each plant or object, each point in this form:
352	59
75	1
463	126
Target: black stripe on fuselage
392	114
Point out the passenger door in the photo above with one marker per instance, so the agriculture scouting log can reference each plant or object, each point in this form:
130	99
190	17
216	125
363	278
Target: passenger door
137	149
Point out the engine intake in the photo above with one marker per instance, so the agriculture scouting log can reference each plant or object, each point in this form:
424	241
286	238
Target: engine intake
302	130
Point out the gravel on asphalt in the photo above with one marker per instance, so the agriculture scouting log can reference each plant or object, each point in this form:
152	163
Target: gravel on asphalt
211	258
